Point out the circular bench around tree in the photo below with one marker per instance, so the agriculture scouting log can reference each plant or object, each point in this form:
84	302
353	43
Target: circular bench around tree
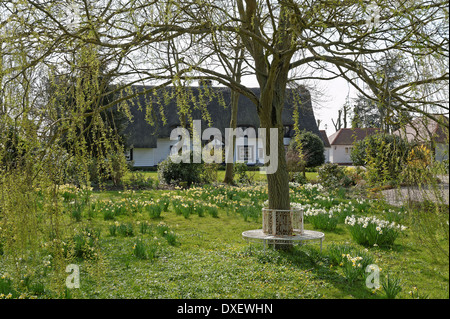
282	227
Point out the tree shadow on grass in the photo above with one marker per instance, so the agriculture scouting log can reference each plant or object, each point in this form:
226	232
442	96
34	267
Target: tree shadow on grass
315	262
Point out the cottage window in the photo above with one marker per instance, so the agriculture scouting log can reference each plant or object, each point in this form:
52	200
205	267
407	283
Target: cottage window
245	153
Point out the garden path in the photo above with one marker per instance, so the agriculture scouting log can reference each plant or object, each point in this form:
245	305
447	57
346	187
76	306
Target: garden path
400	196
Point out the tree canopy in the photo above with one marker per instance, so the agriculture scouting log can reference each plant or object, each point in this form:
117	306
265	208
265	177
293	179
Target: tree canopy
162	43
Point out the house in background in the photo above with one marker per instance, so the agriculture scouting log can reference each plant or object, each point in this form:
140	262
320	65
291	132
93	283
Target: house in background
426	131
341	143
147	145
326	145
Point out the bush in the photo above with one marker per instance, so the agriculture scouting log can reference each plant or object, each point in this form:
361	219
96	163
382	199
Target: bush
182	174
240	171
139	180
384	157
355	174
312	148
333	176
418	168
299	178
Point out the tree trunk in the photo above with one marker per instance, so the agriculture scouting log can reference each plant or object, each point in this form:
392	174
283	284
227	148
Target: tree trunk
278	182
236	73
229	168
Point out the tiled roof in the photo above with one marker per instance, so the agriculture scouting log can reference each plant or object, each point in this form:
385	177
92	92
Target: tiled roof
347	136
424	129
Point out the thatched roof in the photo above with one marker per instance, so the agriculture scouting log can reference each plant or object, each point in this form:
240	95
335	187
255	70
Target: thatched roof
141	134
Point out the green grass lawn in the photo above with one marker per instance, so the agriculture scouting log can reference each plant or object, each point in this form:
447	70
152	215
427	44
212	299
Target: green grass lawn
201	256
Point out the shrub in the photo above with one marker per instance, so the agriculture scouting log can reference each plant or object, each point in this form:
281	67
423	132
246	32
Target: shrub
418	168
312	149
355	174
139	180
181	174
299	178
383	155
210	172
370	231
242	175
333	176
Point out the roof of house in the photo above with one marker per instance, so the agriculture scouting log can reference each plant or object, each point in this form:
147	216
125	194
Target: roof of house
141	134
347	136
423	129
324	138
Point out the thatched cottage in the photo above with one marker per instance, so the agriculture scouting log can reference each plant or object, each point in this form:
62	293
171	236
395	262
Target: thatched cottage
149	144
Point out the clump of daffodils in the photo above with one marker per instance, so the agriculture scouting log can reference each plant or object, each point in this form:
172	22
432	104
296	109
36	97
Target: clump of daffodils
372	231
380	224
356	261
